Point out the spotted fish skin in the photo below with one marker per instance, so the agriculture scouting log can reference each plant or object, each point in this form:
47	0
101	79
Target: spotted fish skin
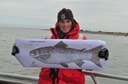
64	55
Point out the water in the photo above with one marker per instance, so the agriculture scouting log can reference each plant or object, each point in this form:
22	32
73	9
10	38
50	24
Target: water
118	48
96	15
117	45
117	63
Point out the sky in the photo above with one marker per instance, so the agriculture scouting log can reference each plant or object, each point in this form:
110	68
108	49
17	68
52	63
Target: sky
96	15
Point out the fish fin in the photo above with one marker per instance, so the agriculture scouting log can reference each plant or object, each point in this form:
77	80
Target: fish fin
64	65
61	44
95	59
79	62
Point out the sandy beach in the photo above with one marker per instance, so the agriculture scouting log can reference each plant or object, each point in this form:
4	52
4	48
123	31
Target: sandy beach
117	45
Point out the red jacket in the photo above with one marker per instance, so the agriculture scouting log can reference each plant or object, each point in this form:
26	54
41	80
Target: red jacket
63	76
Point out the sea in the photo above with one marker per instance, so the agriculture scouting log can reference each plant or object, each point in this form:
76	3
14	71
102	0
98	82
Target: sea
117	64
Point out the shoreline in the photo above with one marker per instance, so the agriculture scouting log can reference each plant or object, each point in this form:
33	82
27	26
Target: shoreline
104	33
81	31
100	32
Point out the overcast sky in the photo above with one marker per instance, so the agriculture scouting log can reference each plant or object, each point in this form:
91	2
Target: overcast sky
106	15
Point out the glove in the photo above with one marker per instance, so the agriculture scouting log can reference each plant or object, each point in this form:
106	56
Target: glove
104	53
15	50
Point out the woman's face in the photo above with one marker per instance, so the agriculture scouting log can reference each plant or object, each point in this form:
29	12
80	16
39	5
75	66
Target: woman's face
65	25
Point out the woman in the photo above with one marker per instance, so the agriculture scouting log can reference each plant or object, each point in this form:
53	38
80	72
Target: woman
66	28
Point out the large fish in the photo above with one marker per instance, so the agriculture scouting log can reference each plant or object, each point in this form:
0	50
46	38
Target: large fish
61	54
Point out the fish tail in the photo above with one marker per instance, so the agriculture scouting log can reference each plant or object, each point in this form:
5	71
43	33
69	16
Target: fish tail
95	59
